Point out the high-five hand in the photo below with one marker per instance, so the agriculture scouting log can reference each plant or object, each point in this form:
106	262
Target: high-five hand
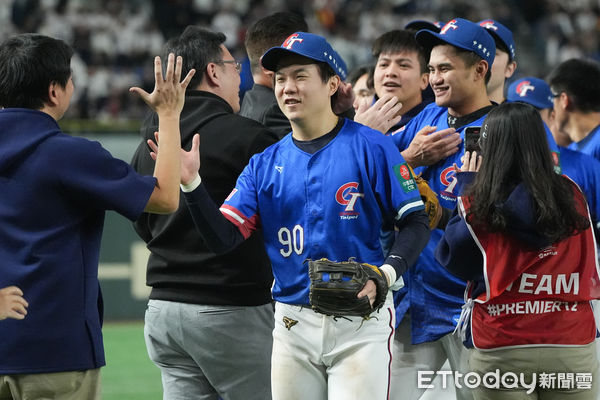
190	160
169	93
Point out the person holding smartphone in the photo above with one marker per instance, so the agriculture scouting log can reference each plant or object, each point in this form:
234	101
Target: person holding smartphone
431	302
522	237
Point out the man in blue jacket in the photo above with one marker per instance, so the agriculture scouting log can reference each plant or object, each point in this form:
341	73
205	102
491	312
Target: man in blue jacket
55	189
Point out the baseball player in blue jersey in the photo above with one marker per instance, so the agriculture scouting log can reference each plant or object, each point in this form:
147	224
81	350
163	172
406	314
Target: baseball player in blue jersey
575	86
430	304
583	169
325	190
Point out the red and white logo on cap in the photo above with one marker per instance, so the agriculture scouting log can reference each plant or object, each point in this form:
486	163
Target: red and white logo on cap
488	25
289	42
449	24
523	87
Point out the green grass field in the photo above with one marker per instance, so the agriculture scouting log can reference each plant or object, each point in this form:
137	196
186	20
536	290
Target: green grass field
129	374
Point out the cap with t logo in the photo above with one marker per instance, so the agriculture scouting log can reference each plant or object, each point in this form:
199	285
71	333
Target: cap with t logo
463	34
308	45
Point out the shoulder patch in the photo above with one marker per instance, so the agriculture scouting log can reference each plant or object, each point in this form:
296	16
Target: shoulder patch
405	177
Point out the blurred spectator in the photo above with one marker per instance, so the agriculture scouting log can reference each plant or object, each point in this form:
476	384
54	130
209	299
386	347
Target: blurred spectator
114	37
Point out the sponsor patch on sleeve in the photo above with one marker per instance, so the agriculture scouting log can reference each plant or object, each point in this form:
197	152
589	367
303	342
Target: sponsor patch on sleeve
405	177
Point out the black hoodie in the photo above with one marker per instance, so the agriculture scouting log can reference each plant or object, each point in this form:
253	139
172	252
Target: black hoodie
180	267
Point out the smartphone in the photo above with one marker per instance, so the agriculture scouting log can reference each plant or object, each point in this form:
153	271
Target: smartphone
472	139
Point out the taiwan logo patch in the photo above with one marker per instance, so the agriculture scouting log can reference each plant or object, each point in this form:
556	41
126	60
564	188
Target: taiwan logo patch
405	177
347	195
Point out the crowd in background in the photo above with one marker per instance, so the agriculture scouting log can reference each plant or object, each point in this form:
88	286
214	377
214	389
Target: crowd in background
113	40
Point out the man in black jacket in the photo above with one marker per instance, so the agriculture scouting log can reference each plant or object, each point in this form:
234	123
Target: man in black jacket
260	103
209	319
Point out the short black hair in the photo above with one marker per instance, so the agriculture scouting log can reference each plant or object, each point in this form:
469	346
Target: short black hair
198	47
580	79
271	31
29	64
398	41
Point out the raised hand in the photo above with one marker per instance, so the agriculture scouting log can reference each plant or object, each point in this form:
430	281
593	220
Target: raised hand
190	160
168	95
382	115
429	146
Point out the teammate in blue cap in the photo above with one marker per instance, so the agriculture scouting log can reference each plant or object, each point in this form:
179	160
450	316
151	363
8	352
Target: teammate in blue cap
536	92
325	190
504	65
582	168
459	68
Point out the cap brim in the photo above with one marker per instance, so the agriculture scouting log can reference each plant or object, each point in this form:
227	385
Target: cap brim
271	58
420	25
532	102
428	39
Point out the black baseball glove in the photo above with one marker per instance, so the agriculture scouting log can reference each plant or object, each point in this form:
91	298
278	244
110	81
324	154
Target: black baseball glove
334	287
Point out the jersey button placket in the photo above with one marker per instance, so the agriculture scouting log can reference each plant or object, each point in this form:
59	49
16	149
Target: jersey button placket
313	200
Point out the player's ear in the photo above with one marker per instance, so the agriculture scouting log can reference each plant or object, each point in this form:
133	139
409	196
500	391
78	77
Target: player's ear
481	68
424	81
565	101
334	84
510	69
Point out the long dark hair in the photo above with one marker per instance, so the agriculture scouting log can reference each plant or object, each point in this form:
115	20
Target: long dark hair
515	151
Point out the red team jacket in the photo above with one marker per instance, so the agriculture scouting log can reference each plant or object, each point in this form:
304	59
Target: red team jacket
526	297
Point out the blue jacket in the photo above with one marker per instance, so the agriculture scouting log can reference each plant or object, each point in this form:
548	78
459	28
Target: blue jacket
55	189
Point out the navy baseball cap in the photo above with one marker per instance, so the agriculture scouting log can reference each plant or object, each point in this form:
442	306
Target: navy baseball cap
532	91
463	34
502	33
308	45
419	24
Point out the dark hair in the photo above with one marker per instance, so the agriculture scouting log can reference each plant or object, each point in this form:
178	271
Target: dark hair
29	64
580	79
327	72
198	47
271	31
398	41
470	59
356	73
516	152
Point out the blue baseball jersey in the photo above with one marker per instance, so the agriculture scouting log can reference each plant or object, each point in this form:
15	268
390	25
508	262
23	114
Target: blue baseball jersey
433	295
590	144
584	170
554	150
328	204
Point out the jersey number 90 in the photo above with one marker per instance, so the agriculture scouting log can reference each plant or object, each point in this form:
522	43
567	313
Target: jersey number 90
291	240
